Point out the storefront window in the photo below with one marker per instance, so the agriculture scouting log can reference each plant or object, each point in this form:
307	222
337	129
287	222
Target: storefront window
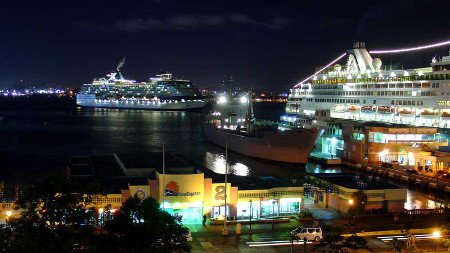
192	215
289	205
243	210
219	212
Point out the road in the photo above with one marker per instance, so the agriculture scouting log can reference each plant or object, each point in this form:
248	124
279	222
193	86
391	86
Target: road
264	239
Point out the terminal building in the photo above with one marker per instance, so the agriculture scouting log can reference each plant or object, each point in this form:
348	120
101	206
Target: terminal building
350	193
376	143
185	189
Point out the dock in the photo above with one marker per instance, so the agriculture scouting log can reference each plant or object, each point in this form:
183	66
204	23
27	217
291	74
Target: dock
324	158
400	175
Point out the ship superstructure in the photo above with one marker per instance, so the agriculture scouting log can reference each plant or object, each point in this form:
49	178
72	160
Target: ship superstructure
232	124
163	92
362	88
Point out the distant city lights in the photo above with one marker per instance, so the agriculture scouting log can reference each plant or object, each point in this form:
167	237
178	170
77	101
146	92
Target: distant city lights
18	93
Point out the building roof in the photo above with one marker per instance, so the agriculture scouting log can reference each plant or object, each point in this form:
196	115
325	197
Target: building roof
354	181
151	160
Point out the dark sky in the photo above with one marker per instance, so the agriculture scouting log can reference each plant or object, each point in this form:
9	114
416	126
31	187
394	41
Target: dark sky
261	43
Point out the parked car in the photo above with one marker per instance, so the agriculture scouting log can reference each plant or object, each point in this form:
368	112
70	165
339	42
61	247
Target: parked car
309	233
412	171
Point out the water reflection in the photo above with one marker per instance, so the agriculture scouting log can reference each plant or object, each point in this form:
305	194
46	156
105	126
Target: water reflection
216	163
240	169
317	168
416	200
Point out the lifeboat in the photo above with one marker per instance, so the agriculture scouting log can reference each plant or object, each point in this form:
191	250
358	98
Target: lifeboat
405	112
428	113
352	108
385	110
339	108
445	115
368	109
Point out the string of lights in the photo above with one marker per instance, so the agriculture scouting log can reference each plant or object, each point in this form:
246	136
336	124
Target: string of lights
328	65
402	50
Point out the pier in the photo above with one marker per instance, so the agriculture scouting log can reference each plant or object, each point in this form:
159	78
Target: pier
400	175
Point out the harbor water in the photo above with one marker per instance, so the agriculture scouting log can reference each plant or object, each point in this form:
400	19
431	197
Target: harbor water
43	134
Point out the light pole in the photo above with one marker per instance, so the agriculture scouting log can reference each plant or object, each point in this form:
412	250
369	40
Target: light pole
273	213
362	214
251	211
225	230
350	203
436	235
100	216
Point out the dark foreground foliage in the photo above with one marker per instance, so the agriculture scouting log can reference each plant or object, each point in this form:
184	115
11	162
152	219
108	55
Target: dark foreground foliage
57	216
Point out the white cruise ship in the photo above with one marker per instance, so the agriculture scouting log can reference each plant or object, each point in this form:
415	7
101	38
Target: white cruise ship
362	88
160	93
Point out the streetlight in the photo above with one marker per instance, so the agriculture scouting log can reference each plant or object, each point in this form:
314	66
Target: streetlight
251	211
273	213
350	203
8	214
100	216
436	235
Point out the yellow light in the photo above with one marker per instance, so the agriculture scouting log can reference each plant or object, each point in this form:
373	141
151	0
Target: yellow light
384	152
100	210
436	234
350	201
8	214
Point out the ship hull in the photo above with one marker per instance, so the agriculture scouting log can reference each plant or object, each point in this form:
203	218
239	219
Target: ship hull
292	146
170	105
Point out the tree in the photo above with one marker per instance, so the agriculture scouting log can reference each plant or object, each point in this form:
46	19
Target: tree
355	242
53	218
141	226
397	245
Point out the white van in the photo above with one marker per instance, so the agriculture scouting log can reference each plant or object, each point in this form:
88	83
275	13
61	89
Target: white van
310	233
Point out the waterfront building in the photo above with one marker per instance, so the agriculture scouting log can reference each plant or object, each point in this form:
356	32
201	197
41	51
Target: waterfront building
186	189
350	193
364	89
376	143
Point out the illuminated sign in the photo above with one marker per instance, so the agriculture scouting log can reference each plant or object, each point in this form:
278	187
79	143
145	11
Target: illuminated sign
218	193
172	189
181	187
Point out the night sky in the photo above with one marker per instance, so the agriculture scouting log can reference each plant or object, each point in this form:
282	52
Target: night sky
266	44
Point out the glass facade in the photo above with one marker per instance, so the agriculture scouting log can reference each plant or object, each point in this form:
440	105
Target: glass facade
190	215
268	208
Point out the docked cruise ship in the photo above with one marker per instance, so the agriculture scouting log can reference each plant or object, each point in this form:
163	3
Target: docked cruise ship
164	92
362	88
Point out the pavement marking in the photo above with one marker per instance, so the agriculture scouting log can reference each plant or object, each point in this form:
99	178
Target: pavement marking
403	237
276	243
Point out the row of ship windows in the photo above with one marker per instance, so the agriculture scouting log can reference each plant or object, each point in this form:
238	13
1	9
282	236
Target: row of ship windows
406	102
384	79
373	93
357	101
380	86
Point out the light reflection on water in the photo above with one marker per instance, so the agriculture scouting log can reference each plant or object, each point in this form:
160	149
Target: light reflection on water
216	162
317	168
416	200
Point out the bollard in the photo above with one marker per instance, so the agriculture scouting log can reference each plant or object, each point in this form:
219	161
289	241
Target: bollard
238	229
